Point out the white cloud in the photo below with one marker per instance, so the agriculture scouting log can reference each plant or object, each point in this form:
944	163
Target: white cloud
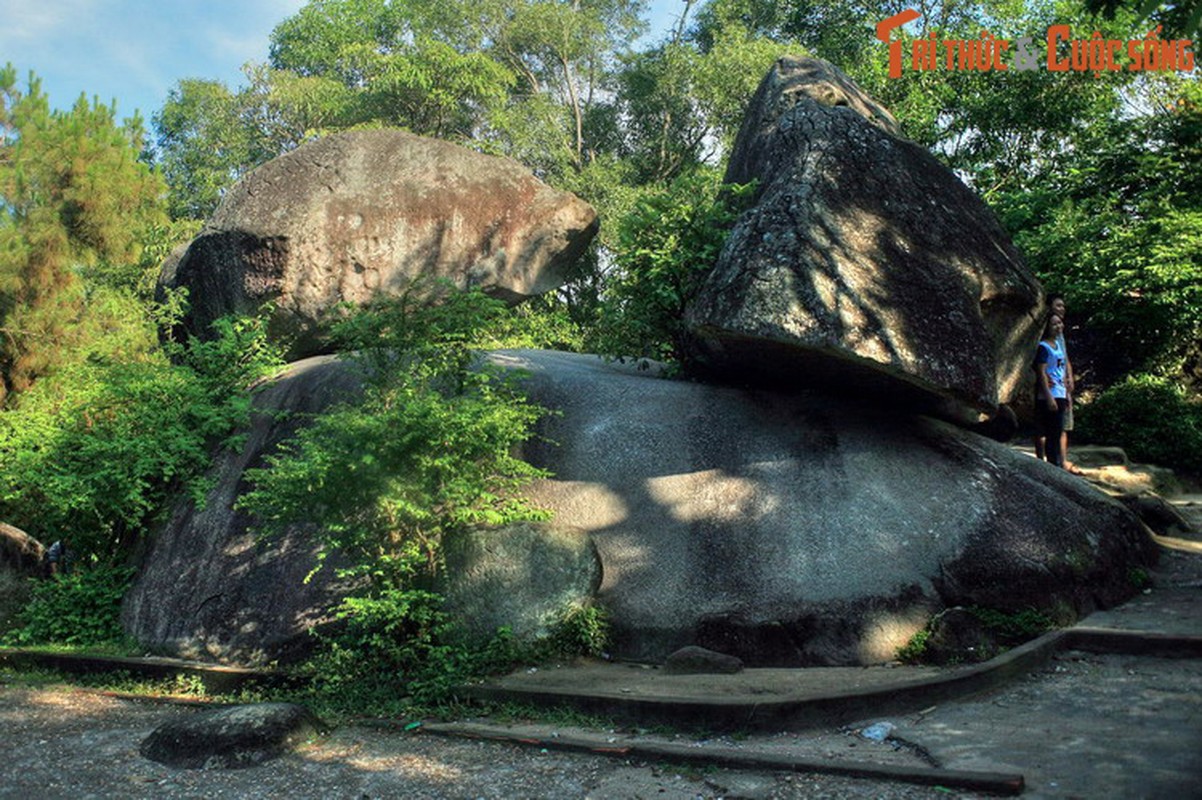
134	51
26	20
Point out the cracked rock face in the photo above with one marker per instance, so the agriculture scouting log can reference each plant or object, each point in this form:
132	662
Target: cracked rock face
346	217
865	265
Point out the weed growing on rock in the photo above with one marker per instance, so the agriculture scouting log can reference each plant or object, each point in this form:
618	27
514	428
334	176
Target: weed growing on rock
428	450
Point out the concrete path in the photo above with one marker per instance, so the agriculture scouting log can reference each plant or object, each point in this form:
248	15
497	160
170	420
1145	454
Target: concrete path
1111	708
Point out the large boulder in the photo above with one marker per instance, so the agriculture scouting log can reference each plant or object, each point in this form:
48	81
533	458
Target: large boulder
524	577
865	265
21	560
19	551
348	216
211	589
800	529
783	529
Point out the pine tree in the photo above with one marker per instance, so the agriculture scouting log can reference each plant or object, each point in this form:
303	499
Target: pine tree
75	197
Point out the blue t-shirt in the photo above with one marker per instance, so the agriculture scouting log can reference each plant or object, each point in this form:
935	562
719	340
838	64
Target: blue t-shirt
1053	356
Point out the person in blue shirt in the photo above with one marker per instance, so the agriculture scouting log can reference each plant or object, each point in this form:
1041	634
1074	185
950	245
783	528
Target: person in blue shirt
1051	389
1056	303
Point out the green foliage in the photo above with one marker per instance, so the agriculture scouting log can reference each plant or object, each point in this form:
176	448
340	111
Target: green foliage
1005	628
1013	627
73	195
390	649
666	246
542	323
92	453
1139	578
396	649
1150	417
82	607
1117	229
915	650
581	630
1181	20
14	593
203	146
684	104
427	450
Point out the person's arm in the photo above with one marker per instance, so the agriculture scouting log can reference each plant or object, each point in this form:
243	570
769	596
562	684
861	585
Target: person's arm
1041	374
1068	365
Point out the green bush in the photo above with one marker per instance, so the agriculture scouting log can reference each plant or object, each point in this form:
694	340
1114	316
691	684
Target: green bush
91	454
1013	627
666	246
582	630
1151	418
79	608
428	449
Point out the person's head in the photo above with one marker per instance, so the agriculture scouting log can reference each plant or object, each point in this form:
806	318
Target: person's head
1056	305
1054	327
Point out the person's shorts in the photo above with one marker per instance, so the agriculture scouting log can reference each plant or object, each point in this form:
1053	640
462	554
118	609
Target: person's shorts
1050	423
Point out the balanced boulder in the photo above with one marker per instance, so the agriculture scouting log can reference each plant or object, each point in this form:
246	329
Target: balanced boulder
865	265
348	216
210	588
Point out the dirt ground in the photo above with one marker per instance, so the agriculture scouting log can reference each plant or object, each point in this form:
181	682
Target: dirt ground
1083	726
64	743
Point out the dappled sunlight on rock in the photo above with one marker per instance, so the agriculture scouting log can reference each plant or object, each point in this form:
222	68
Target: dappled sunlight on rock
605	508
885	633
711	495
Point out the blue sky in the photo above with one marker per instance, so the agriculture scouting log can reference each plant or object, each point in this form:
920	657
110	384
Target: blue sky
134	51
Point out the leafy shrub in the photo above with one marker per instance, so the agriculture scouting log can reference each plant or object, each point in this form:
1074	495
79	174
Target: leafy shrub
1151	418
14	594
542	323
582	630
915	650
666	246
429	449
91	454
82	607
1013	628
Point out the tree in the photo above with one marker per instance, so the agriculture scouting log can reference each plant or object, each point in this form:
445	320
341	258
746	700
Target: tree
684	104
1179	20
75	197
666	246
408	64
567	51
1117	228
202	146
